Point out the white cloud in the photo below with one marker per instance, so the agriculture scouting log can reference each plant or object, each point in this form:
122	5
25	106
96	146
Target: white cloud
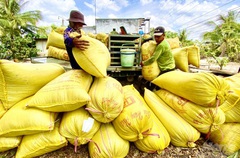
144	2
112	16
53	11
172	14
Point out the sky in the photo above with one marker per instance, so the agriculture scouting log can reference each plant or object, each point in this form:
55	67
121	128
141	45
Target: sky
173	15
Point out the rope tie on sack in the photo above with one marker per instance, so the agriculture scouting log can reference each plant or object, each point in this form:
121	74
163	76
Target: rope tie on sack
140	136
75	144
210	129
90	140
221	95
150	134
106	115
94	110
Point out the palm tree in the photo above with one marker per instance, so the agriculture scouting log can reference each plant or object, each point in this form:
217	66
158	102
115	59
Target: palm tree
13	22
225	35
183	35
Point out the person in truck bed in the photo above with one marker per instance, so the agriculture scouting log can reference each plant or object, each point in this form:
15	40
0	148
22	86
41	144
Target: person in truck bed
76	22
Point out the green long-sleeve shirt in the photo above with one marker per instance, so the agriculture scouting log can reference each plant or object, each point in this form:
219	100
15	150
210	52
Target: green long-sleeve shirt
164	57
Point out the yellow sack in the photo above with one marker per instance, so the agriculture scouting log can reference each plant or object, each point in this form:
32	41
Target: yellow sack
173	42
203	88
204	119
147	49
55	39
193	55
182	134
135	121
227	138
58	53
60	29
67	92
151	71
103	37
78	127
181	58
95	59
157	141
233	97
41	143
234	80
92	35
7	143
2	110
107	99
20	120
107	143
21	80
231	106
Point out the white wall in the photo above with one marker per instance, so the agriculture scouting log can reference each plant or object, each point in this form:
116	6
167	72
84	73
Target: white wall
106	25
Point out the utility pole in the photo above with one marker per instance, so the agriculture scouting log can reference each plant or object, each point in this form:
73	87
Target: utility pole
62	20
95	16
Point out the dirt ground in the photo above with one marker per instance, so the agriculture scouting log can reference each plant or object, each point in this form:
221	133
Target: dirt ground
203	149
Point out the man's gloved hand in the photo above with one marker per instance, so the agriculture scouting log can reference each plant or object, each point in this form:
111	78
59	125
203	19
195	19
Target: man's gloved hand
81	44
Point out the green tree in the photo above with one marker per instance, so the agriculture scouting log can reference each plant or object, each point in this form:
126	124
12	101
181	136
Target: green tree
224	41
15	24
183	38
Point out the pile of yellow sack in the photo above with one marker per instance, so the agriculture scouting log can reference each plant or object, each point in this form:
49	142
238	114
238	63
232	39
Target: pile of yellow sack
43	108
56	47
184	56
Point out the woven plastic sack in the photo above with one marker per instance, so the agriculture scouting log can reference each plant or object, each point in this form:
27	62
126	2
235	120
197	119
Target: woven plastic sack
204	119
60	29
202	88
90	34
41	143
55	39
58	53
234	80
67	92
232	99
181	58
182	134
135	121
2	110
231	106
173	42
78	127
227	138
193	55
21	80
107	143
20	120
103	37
107	99
95	59
157	141
151	71
7	143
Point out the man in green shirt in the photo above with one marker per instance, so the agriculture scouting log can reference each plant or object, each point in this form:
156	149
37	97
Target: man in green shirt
162	54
